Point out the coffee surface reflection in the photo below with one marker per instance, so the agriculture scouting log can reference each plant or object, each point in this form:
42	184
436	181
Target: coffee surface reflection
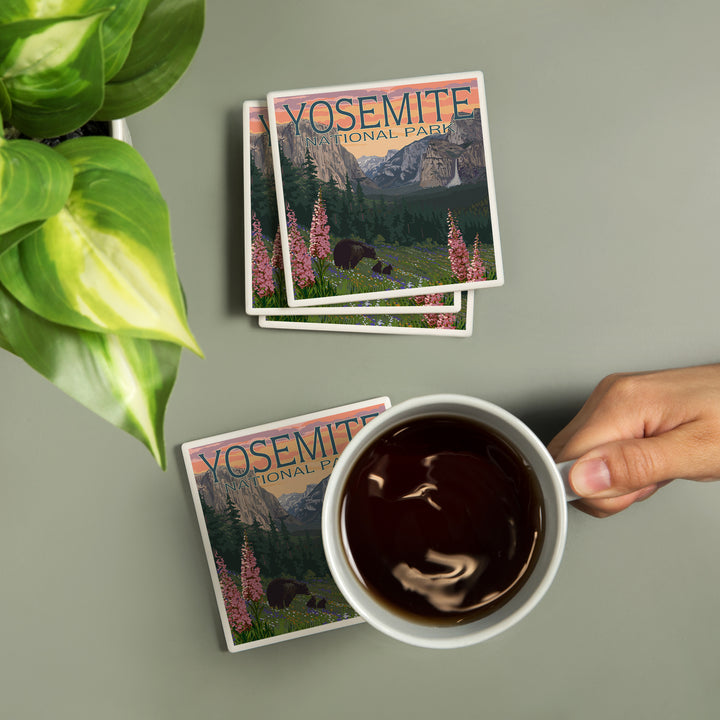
442	519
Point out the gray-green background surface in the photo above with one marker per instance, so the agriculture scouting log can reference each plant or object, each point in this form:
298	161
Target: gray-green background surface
604	124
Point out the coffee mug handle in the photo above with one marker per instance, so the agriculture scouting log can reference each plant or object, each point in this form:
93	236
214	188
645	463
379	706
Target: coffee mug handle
564	470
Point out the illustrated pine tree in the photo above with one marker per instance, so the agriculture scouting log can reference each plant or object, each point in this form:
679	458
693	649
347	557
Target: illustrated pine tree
311	184
273	557
262	192
292	185
216	526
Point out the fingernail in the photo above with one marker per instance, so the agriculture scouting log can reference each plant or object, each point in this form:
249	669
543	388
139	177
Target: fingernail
590	477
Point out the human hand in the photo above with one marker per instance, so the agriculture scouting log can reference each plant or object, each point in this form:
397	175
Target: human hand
637	432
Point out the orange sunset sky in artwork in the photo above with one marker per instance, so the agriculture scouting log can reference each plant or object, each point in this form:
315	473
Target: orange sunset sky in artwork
225	448
430	101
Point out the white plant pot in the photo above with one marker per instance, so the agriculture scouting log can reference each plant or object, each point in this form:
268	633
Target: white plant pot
120	131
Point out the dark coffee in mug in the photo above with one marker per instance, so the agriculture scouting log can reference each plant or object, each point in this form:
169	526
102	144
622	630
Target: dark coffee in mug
442	519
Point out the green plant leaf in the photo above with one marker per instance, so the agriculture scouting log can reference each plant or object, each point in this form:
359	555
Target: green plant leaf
5	105
4	342
105	261
12	238
13	10
110	155
125	380
35	182
117	30
163	46
53	72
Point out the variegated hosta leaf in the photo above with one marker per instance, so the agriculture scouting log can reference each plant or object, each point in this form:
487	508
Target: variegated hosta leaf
102	153
105	261
125	380
53	73
35	182
12	10
117	30
163	46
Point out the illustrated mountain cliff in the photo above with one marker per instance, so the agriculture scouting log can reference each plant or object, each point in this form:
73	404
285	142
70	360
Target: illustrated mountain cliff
370	163
333	161
306	507
252	501
298	510
454	158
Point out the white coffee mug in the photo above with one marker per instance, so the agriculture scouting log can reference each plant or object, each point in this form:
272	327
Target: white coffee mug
555	491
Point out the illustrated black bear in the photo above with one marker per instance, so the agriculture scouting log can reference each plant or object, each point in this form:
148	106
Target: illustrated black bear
377	267
348	253
281	591
387	270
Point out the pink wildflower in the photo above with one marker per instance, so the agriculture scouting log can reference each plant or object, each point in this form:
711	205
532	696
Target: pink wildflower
235	606
250	574
277	255
302	271
262	274
431	319
319	231
434	299
477	268
457	250
445	321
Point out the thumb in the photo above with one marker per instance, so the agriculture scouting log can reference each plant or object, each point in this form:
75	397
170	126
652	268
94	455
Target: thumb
625	466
